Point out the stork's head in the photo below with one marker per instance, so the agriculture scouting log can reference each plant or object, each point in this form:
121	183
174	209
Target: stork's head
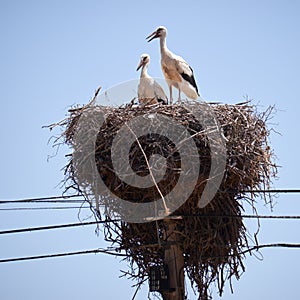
145	59
160	32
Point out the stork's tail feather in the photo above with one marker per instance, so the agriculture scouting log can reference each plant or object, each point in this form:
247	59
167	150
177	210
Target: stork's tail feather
162	101
190	91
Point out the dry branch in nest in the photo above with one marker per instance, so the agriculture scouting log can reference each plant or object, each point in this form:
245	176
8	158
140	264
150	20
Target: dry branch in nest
211	238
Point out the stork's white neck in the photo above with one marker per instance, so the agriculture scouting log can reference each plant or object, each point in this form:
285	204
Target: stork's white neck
163	45
144	73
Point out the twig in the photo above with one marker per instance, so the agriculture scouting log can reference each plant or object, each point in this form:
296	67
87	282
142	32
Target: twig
150	171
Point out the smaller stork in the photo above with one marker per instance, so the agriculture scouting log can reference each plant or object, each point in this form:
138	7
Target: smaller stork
176	70
149	91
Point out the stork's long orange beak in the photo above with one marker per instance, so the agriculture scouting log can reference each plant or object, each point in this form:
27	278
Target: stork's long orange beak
152	36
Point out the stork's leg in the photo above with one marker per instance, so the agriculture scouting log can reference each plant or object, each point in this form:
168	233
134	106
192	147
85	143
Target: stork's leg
179	95
171	98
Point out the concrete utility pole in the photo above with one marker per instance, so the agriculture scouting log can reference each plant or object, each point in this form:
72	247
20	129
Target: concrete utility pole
175	262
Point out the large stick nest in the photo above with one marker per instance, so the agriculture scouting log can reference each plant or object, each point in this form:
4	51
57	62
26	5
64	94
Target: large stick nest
212	239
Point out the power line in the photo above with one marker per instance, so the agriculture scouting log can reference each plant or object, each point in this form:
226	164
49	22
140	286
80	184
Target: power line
54	227
64	199
109	252
42	201
43	208
241	216
52	199
95	251
273	191
69	225
277	245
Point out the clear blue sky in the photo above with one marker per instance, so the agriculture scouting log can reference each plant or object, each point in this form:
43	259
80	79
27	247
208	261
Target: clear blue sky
56	53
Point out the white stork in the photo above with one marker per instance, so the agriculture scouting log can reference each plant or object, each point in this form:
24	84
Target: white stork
176	70
149	91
